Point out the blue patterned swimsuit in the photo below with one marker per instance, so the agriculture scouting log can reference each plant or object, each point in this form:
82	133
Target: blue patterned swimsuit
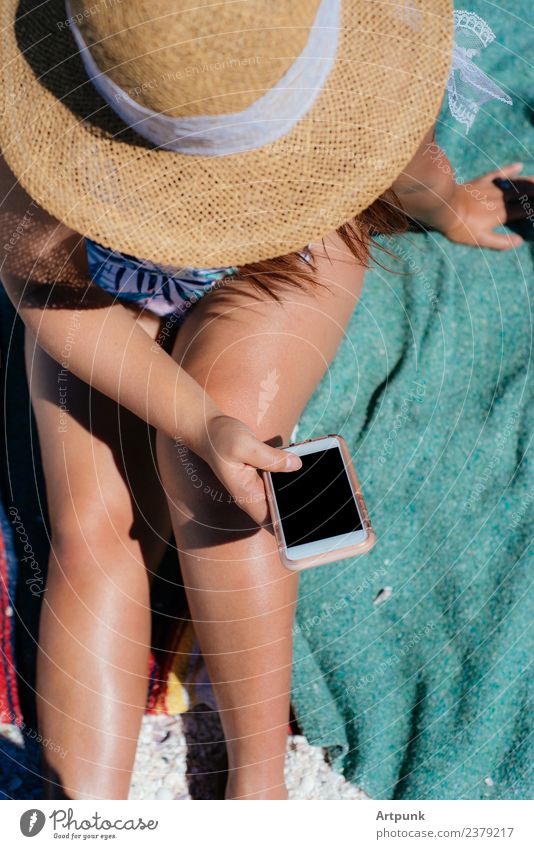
164	290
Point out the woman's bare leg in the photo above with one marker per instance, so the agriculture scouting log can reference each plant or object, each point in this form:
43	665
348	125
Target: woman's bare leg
260	361
94	637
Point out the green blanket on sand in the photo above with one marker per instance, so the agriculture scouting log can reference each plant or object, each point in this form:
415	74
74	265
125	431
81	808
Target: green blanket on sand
412	663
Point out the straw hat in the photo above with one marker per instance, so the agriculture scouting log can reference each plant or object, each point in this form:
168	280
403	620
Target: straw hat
260	125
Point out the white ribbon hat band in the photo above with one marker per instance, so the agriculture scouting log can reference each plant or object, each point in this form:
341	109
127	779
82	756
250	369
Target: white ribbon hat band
267	119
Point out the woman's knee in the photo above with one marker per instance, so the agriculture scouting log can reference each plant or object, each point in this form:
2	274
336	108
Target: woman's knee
255	396
270	419
86	531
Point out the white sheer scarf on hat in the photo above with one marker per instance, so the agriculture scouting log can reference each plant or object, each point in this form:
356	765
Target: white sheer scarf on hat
276	112
468	87
267	119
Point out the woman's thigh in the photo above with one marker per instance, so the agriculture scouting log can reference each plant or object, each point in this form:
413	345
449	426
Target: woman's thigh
260	361
102	485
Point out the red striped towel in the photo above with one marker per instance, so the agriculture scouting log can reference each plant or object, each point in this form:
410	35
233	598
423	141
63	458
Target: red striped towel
9	701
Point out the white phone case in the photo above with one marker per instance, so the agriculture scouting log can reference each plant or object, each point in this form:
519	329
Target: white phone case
338	553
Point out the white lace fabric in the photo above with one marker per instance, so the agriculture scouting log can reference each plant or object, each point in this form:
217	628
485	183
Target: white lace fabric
468	87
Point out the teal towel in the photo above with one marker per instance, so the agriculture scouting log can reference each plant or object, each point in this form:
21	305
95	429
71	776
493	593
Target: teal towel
413	663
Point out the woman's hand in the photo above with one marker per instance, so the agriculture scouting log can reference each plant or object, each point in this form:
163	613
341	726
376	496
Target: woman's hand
235	454
467	213
479	206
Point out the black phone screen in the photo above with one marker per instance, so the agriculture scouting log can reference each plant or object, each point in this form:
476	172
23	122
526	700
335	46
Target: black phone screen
316	501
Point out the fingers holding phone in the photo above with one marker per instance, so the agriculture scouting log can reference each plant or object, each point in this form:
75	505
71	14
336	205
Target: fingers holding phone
235	454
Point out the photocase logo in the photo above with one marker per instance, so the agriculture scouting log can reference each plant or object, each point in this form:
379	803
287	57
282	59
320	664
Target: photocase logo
32	822
64	824
269	391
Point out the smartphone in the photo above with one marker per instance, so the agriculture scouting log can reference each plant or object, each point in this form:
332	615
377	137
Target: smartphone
318	512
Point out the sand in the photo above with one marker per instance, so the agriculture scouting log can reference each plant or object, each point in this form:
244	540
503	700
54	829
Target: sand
178	757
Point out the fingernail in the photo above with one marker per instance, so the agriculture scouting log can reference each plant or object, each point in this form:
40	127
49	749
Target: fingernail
518	166
293	462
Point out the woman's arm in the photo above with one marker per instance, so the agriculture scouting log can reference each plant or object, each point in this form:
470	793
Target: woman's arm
43	269
464	212
426	187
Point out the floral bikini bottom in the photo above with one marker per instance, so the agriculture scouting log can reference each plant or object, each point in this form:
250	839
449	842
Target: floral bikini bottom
163	290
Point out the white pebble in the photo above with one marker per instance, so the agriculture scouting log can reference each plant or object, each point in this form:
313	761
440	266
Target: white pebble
164	793
307	784
383	595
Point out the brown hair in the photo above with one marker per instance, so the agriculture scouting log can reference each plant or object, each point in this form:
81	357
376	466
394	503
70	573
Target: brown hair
385	217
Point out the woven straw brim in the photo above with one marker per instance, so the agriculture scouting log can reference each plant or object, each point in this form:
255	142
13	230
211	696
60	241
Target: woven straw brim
77	159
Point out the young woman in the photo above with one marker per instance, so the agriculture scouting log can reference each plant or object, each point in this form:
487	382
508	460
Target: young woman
144	376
